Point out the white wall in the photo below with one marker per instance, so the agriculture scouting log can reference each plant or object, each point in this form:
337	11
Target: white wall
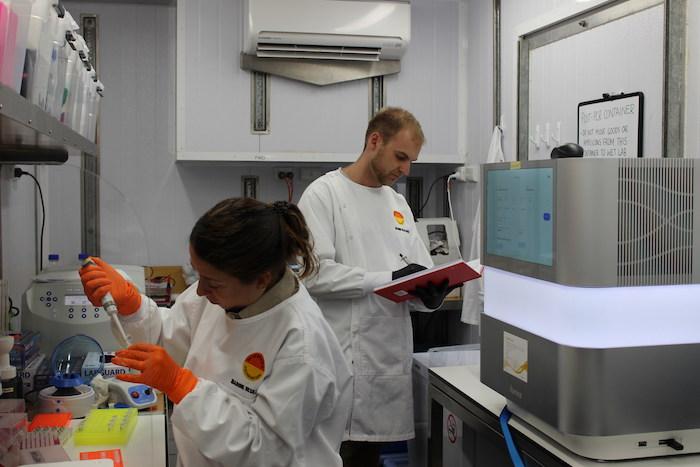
519	17
479	126
625	55
149	202
308	121
19	229
479	55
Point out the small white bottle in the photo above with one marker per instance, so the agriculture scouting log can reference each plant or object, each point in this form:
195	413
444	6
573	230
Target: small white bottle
53	263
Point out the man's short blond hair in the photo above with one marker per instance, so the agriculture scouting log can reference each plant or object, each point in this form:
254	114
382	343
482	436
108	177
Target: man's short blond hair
391	120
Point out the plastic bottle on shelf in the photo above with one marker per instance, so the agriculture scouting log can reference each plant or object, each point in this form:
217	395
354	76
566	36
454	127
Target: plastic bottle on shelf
82	257
53	263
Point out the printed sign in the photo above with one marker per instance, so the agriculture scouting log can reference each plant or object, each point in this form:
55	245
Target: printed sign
515	356
451	428
612	126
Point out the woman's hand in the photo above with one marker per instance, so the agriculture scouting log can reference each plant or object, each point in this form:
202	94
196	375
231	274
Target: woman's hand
158	370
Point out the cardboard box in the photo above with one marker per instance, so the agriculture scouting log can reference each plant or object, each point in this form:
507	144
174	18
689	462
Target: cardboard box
173	272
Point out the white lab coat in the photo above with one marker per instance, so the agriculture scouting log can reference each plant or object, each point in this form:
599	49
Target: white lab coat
293	415
359	233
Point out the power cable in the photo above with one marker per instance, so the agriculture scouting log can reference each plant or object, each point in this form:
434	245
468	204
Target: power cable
18	173
427	198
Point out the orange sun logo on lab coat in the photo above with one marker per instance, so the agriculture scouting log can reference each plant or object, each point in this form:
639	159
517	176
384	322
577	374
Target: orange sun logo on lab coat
399	217
254	366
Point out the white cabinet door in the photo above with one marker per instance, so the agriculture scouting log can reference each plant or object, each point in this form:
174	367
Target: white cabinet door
213	93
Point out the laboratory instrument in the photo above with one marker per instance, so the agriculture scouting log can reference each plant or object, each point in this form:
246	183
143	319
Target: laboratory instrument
110	306
591	327
74	363
56	306
8	374
139	396
440	236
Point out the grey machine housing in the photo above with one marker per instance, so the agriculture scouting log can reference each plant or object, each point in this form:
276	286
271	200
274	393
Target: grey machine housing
615	223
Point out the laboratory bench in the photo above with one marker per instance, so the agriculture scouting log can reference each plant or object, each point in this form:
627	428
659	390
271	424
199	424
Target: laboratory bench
146	446
459	391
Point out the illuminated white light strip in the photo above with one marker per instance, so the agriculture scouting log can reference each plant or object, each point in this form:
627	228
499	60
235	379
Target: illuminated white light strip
591	317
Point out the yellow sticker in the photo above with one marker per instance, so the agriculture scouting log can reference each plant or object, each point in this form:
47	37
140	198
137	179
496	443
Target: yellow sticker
515	165
399	217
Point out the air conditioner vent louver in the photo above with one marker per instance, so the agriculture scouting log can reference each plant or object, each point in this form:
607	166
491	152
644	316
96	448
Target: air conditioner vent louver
321	52
655	222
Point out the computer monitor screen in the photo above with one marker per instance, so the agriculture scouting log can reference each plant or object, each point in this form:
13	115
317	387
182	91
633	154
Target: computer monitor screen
519	214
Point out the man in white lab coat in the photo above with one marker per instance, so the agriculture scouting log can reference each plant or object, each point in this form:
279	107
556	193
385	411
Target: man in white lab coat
365	235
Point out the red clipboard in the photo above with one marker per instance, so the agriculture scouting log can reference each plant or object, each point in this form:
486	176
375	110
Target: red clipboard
458	272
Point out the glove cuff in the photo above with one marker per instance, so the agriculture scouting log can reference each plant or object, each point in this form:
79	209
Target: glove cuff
185	381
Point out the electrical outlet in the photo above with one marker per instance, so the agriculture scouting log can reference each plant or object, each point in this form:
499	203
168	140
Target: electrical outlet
249	186
468	173
283	173
7	172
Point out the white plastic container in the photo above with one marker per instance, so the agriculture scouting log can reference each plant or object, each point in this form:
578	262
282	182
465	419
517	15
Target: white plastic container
99	90
79	82
36	65
46	63
79	102
422	362
56	36
67	23
89	91
8	34
91	113
22	10
69	86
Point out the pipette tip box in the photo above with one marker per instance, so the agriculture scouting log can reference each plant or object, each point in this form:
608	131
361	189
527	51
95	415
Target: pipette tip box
106	426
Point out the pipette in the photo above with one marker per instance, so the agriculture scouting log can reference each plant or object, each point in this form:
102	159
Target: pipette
110	307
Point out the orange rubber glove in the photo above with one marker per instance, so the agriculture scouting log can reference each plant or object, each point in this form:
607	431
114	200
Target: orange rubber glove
100	278
158	370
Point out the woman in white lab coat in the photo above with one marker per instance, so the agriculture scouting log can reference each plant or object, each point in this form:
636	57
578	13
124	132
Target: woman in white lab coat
257	375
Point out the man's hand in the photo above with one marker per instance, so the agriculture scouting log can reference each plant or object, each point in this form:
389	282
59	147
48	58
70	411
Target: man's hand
405	271
158	370
98	278
433	295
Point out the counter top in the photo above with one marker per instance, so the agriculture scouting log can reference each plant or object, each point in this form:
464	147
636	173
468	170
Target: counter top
146	447
465	380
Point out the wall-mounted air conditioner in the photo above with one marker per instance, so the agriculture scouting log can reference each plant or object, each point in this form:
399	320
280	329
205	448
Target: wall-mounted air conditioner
305	36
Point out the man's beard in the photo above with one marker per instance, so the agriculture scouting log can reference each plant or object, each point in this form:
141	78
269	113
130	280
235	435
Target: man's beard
385	178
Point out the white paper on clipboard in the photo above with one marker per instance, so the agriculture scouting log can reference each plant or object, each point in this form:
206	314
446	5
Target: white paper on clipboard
612	126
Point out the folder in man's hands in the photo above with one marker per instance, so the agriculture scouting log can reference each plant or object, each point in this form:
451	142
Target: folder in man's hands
457	272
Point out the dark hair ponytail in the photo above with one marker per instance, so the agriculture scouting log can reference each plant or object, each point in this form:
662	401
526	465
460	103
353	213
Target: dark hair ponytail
296	239
245	238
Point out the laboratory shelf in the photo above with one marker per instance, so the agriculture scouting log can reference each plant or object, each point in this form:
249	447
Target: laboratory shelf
28	135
